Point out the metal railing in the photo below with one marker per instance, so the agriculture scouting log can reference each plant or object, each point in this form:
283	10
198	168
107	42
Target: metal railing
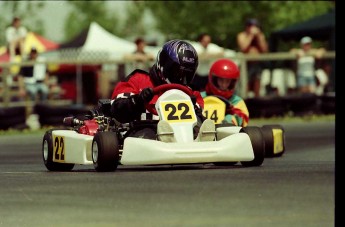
242	59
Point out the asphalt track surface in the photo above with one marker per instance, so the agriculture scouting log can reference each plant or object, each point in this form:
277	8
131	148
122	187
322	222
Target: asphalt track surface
297	189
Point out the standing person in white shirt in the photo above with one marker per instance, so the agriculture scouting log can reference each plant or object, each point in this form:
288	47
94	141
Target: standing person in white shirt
306	65
33	79
139	59
15	38
207	53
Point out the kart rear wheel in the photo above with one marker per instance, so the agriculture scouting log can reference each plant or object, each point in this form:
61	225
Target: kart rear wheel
274	140
258	144
47	154
105	152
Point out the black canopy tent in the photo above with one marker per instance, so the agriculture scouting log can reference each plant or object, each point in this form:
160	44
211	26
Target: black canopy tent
320	28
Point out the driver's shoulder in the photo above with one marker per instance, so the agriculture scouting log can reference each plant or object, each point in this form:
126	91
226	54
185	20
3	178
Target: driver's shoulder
203	94
235	99
137	74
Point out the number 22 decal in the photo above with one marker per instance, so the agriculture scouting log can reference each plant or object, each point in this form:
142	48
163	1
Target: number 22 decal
181	106
178	111
59	149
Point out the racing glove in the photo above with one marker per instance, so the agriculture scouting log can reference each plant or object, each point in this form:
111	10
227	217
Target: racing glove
146	95
198	112
130	108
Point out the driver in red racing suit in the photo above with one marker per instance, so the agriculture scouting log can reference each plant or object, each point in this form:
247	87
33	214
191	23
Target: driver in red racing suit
133	97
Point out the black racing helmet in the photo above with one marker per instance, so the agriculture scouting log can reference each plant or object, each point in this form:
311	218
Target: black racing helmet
176	62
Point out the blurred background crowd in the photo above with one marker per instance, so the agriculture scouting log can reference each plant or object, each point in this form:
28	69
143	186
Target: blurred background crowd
78	50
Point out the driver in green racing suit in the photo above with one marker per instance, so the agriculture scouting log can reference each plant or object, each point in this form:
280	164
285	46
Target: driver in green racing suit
222	79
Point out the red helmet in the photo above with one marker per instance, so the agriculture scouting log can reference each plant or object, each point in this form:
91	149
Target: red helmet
223	68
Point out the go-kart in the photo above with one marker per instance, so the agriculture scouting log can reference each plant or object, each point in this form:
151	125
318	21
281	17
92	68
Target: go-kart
103	142
273	134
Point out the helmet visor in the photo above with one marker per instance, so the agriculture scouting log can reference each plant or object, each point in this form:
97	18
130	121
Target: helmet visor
180	75
224	84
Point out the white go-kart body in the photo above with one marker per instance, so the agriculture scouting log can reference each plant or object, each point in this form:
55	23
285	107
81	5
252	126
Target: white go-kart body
62	149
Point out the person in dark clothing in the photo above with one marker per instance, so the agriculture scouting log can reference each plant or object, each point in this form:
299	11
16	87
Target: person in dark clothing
34	79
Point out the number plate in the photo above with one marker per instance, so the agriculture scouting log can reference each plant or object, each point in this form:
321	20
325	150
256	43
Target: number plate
59	149
278	141
214	109
179	111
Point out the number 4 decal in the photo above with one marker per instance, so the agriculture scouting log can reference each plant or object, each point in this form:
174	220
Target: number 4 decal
213	116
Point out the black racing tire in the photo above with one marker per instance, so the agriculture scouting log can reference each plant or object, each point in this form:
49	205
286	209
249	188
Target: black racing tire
299	104
51	120
50	110
105	151
258	144
11	122
12	111
267	132
53	115
11	117
47	154
257	107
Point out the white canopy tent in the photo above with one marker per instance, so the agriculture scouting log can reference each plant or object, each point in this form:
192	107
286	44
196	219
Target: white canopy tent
99	45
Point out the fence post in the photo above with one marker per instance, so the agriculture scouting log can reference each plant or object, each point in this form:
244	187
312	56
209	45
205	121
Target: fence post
244	76
79	84
6	91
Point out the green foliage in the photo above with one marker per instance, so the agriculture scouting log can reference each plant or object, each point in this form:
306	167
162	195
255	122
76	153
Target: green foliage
224	19
175	19
86	12
133	25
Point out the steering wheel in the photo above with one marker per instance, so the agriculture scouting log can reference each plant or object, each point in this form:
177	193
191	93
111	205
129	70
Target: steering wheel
165	87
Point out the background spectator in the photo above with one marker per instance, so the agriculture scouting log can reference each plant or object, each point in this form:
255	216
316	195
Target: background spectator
306	65
33	79
207	55
253	41
139	59
15	38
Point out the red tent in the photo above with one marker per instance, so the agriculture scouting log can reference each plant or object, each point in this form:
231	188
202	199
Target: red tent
32	40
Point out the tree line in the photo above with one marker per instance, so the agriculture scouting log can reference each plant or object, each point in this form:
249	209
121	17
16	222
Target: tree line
174	19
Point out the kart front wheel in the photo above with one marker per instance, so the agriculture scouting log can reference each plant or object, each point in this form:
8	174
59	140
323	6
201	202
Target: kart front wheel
48	152
105	152
258	144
